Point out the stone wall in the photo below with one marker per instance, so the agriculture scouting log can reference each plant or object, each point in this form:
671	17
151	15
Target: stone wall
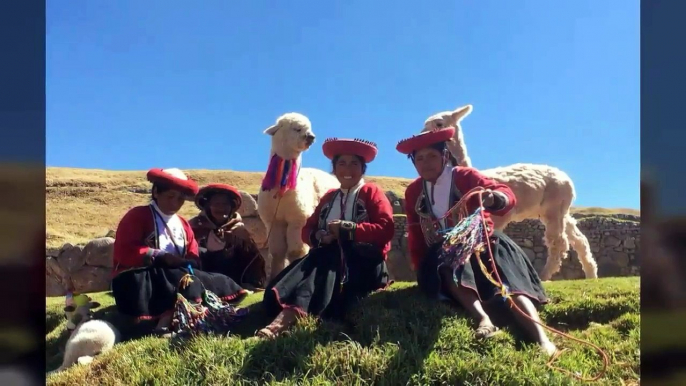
614	241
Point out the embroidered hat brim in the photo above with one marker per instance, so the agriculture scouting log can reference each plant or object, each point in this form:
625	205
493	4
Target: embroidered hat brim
333	147
173	180
206	191
425	139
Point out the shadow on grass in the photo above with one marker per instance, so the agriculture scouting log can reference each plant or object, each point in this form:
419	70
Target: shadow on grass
400	317
411	321
289	355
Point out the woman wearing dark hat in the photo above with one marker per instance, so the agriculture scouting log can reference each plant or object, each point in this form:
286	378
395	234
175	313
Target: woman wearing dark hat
350	233
155	248
225	244
427	202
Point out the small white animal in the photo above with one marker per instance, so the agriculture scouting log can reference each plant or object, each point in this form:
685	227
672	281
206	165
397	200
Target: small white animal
89	339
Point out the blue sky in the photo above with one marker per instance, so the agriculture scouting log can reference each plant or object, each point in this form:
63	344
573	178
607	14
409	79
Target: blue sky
139	84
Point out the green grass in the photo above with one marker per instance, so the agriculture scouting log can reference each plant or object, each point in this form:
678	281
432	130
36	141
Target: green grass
393	338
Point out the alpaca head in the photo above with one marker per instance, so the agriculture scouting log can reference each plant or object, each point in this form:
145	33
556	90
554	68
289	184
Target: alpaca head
291	135
79	310
448	119
452	119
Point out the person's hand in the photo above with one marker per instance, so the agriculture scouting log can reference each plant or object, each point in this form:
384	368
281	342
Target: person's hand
327	239
319	234
235	228
488	198
334	228
169	260
238	229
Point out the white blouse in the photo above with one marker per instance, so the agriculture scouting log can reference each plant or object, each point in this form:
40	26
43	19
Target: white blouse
347	196
164	238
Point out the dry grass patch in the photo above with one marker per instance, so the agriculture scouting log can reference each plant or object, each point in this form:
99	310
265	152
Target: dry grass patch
82	204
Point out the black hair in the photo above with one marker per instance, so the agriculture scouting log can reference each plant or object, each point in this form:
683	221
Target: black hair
233	200
159	188
337	157
442	147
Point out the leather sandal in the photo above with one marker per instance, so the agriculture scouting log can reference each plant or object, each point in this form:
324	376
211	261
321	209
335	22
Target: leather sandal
486	331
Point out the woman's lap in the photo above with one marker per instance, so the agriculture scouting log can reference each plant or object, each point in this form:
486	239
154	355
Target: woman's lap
313	283
150	292
513	267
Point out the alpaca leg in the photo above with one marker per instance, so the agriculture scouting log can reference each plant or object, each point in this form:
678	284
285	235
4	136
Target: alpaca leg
277	248
580	244
296	247
85	360
558	245
70	357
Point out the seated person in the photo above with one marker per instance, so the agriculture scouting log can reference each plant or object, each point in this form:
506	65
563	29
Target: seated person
155	248
225	244
350	233
428	201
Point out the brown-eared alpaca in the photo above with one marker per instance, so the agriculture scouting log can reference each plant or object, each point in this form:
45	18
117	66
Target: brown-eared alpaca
543	192
289	193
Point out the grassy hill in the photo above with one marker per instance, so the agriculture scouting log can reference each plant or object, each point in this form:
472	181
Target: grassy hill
394	338
85	203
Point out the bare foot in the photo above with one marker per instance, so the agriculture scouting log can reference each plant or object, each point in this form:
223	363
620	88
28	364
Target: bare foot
164	322
281	323
549	348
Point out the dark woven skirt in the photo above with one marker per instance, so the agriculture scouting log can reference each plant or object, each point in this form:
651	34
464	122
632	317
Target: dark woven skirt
245	267
313	284
149	293
514	268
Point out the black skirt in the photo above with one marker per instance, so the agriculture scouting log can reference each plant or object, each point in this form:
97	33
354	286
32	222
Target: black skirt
325	284
514	268
245	267
149	293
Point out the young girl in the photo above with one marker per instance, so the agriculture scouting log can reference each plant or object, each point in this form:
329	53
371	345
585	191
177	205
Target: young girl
350	232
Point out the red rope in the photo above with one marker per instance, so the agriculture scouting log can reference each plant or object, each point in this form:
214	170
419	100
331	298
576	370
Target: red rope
461	208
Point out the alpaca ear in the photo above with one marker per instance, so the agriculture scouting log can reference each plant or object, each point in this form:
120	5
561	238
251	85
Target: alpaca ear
460	113
92	305
271	130
69	309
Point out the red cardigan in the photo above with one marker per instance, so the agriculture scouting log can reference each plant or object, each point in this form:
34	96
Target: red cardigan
135	243
373	215
464	179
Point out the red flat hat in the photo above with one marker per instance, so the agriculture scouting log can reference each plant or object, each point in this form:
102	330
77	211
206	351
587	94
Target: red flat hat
201	197
365	149
174	178
425	139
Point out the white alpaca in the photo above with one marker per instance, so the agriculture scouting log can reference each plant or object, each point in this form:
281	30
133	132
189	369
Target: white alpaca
88	340
285	215
543	192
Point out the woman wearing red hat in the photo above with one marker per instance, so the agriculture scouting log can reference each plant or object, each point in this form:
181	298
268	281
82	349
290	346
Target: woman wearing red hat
154	248
428	199
225	244
350	233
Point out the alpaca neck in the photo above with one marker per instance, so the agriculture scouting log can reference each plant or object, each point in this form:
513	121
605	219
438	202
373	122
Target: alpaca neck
286	154
459	150
282	173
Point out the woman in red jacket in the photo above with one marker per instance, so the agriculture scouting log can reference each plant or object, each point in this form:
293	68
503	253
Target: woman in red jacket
350	233
155	248
427	203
